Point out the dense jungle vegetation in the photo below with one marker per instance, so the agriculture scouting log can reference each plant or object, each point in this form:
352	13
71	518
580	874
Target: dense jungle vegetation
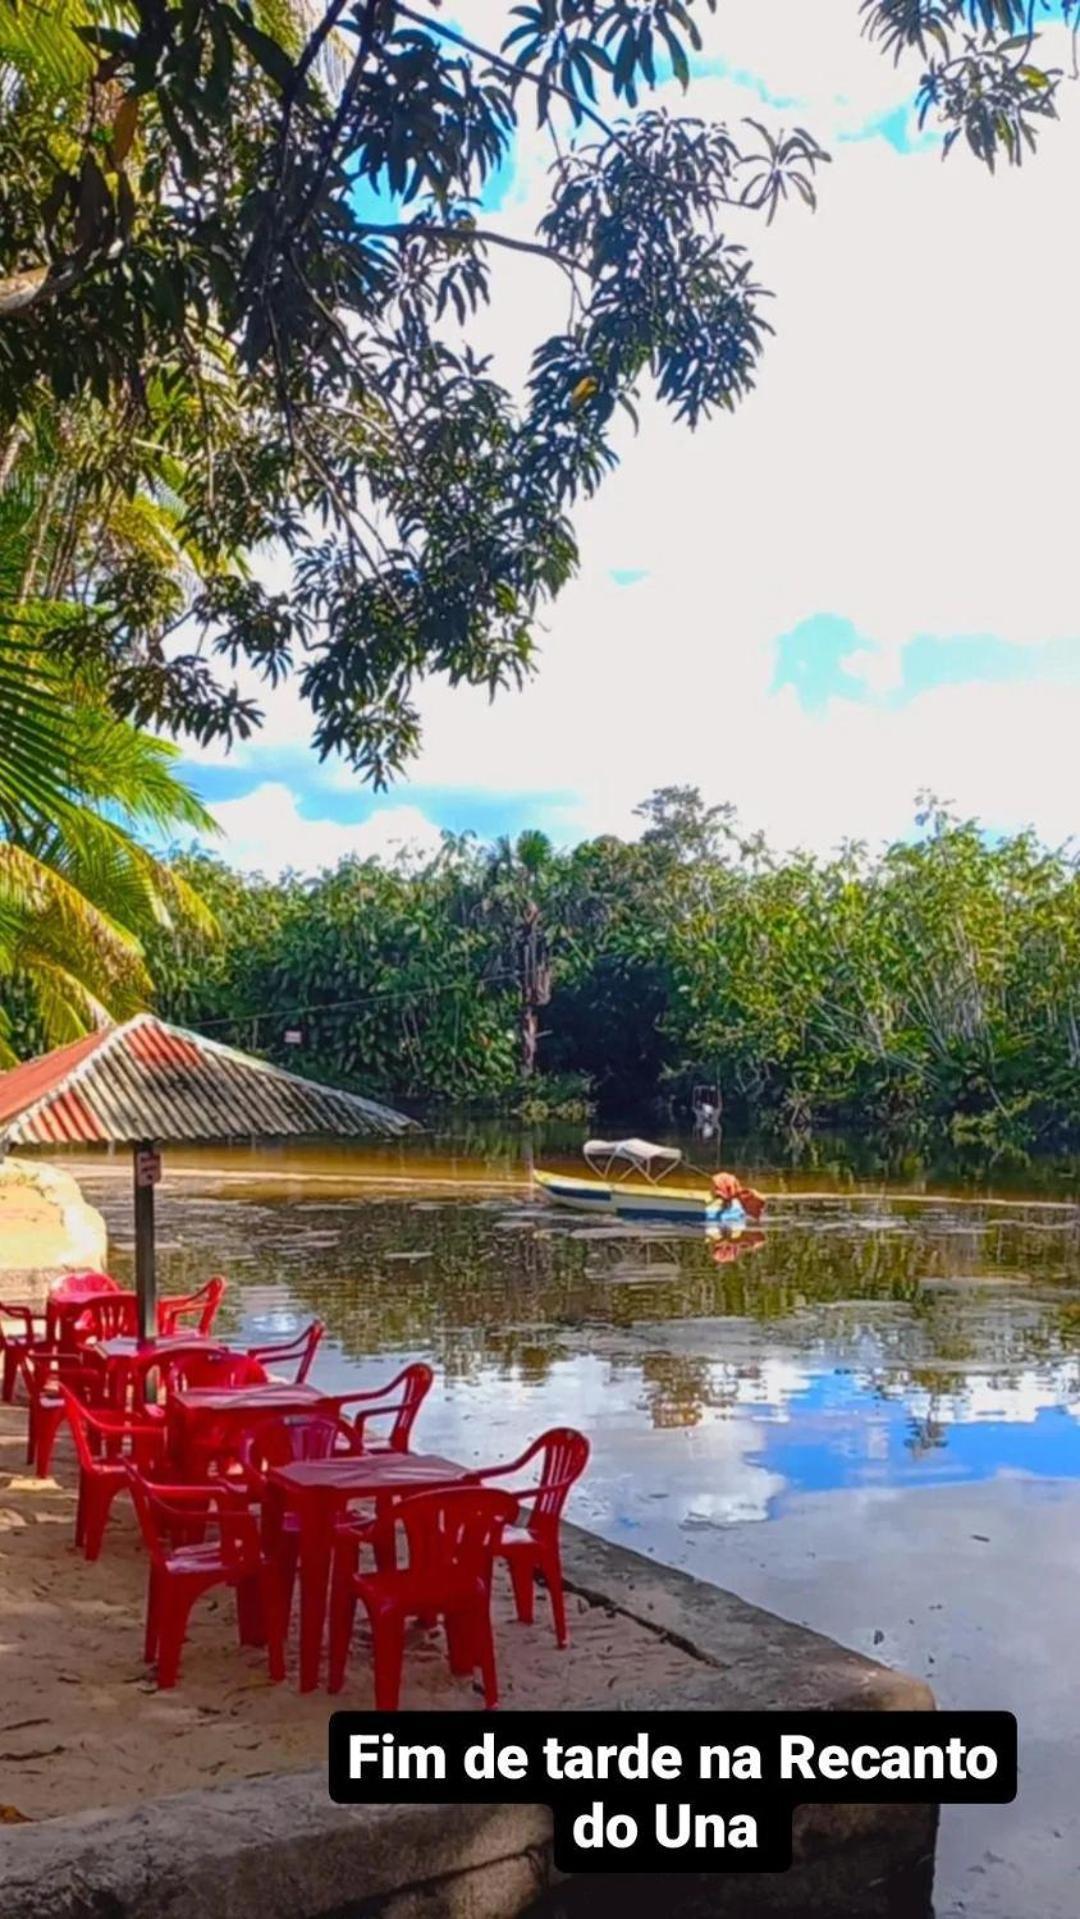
935	987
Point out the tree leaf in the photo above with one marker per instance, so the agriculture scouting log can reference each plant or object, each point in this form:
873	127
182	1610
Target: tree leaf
124	127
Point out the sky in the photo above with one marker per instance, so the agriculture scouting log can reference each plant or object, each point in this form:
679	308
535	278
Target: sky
859	586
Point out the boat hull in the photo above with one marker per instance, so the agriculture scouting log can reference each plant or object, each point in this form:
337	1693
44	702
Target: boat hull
632	1199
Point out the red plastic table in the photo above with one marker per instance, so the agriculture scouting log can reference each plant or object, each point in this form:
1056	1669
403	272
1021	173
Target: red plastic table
316	1490
193	1415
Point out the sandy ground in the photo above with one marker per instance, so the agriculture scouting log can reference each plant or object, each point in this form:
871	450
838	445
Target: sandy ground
81	1723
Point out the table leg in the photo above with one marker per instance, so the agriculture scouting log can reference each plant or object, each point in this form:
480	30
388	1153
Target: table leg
177	1441
316	1552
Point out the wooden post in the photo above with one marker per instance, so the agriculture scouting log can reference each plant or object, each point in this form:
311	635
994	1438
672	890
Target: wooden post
147	1174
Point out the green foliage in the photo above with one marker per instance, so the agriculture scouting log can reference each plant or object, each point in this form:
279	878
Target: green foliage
248	234
240	238
78	889
935	987
983	82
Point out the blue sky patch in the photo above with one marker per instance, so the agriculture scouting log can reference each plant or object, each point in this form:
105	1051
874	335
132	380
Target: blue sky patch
839	1432
816	659
811	658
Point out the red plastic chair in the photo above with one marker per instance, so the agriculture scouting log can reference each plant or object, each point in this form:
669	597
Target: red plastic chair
15	1342
451	1537
290	1436
183	1567
401	1398
303	1349
64	1292
200	1307
212	1367
534	1547
114	1316
159	1363
104	1473
44	1371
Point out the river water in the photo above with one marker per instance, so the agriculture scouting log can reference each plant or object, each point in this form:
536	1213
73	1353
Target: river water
866	1418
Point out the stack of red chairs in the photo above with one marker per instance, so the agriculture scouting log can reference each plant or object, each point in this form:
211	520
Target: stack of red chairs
81	1310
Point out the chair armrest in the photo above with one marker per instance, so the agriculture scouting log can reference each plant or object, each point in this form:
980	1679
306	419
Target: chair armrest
25	1316
209	1494
359	1419
121	1425
359	1531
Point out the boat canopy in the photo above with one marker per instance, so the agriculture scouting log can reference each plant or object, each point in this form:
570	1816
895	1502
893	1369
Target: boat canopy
633	1155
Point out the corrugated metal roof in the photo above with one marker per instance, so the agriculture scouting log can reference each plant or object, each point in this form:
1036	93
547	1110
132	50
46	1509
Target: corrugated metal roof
146	1080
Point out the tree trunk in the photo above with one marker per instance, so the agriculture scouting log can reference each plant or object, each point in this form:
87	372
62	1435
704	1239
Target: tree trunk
530	1034
40	535
9	453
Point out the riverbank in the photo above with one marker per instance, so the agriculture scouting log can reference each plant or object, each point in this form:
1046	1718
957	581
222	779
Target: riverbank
82	1724
213	1797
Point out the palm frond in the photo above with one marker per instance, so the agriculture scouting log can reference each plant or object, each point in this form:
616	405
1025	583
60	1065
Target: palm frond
134	772
38	733
39	38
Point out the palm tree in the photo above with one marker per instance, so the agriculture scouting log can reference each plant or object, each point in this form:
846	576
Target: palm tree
78	891
91	519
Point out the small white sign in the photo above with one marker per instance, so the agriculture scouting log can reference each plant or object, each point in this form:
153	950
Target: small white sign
294	1037
147	1168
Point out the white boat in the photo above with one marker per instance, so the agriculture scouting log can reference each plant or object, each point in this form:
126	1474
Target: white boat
629	1181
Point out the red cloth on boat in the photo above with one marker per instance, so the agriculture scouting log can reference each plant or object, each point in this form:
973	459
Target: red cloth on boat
727	1188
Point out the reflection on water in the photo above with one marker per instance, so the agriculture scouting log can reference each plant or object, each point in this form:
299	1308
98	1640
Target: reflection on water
861	1339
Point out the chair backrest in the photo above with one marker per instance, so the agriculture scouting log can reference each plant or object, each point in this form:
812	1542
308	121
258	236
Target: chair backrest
24	1328
44	1367
81	1286
113	1316
294	1436
170	1515
79	1423
146	1508
64	1294
563	1454
302	1348
453	1533
401	1398
158	1363
200	1308
213	1367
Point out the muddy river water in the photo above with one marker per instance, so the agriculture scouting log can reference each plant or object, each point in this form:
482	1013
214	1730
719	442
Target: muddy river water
866	1418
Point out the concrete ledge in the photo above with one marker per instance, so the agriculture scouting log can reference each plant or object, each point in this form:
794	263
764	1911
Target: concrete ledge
276	1846
766	1662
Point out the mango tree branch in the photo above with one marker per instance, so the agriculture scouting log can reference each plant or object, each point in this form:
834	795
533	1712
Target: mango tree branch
485	235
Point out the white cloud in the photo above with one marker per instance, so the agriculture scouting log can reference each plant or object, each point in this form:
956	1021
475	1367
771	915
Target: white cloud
265	832
905	463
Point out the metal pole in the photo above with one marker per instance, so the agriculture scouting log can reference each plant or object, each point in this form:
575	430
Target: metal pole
145	1276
